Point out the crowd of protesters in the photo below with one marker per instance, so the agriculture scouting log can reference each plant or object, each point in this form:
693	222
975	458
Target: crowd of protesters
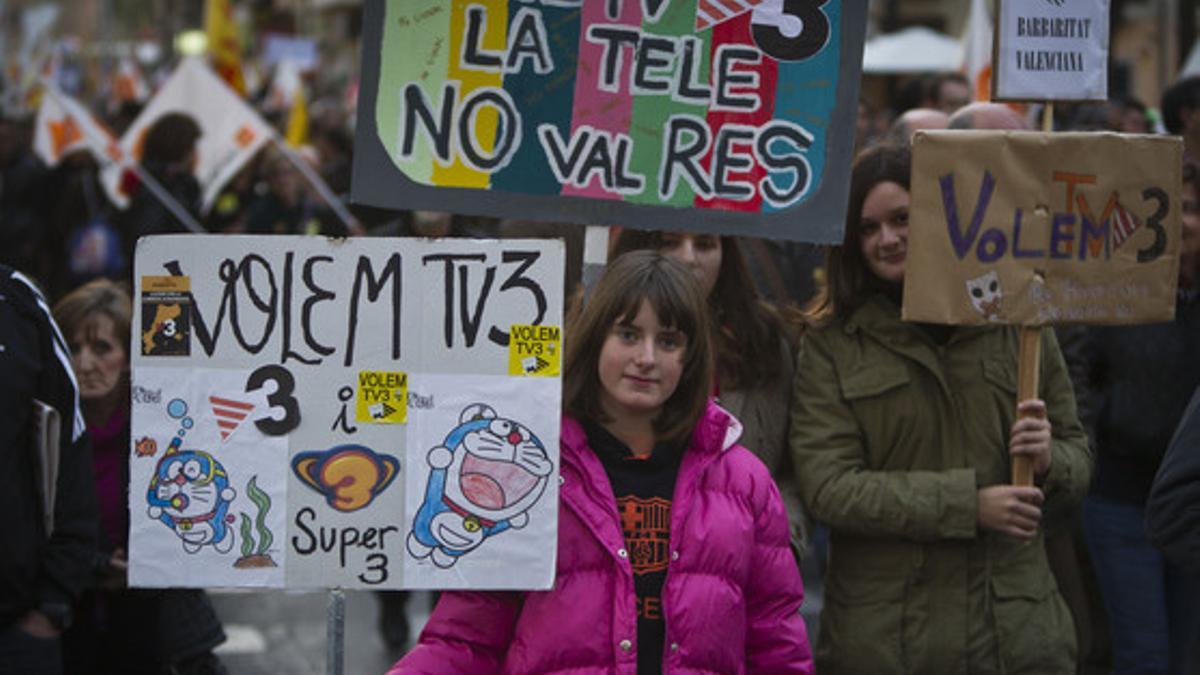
768	393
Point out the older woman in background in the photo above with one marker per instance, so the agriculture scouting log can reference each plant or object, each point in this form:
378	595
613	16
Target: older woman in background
119	629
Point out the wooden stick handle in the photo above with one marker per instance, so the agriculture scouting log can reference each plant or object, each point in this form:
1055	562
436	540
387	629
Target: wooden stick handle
1029	363
1027	388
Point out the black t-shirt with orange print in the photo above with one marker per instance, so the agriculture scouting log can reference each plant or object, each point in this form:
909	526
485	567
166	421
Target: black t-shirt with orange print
643	488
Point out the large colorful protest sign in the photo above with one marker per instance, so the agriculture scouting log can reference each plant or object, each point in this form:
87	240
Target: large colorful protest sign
375	413
1034	228
734	117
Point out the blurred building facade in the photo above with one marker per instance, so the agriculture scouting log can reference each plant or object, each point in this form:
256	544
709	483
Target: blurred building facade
1150	38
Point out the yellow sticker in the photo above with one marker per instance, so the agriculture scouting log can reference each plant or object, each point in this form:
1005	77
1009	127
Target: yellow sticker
382	397
166	284
535	351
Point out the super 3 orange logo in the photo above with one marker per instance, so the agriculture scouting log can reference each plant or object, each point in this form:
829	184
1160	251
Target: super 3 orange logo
348	476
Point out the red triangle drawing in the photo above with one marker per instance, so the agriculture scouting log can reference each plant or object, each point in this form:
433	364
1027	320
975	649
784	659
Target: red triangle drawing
229	413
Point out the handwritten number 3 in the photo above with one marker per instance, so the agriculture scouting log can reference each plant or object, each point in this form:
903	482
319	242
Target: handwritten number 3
812	36
1154	222
282	397
376	562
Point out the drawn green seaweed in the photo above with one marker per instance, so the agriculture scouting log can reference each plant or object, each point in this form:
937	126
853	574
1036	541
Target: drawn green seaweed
247	539
256	556
263	501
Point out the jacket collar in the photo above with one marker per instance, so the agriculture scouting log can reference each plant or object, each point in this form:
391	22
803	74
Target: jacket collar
716	431
585	488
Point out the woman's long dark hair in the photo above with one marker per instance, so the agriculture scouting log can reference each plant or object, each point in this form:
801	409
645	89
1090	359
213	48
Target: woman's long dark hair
746	328
847	278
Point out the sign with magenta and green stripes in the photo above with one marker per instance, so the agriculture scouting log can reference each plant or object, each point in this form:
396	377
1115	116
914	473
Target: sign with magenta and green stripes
728	116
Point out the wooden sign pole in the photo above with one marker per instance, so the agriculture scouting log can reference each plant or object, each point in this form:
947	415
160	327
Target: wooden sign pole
1030	358
1027	388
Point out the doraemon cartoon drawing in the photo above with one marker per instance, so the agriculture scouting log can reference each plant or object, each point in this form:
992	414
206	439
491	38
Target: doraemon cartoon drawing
190	494
483	480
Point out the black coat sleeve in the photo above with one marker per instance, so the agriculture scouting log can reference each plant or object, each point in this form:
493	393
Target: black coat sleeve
1173	510
69	553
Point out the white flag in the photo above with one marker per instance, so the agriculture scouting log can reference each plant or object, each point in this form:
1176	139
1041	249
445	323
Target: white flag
231	131
977	50
64	125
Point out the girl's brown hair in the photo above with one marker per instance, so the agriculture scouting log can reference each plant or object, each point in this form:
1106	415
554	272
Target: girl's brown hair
847	278
746	328
675	296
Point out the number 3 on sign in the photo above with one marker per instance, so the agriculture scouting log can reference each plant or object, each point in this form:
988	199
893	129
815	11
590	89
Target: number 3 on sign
790	30
280	398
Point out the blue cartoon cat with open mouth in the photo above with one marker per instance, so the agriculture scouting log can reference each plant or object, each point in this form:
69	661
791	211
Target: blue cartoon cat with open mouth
483	480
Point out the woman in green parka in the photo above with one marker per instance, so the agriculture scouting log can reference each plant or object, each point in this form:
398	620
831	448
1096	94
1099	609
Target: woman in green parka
903	436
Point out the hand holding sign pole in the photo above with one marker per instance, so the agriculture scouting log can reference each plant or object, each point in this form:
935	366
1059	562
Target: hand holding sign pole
1047	51
1030	359
1033	229
1027	388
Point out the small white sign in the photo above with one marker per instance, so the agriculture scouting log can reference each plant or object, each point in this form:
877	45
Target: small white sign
1051	50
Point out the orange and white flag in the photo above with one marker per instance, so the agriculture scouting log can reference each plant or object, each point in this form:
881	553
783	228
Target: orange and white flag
64	125
224	44
977	50
231	131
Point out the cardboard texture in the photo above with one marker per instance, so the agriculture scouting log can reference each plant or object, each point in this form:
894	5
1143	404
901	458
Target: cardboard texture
1033	228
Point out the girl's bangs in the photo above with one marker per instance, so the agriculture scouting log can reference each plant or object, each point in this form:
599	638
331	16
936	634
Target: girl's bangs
669	305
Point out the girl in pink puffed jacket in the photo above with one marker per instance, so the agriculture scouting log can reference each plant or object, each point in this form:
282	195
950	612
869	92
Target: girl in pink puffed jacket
673	553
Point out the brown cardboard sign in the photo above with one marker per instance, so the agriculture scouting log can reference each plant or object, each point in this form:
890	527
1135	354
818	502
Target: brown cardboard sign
1043	228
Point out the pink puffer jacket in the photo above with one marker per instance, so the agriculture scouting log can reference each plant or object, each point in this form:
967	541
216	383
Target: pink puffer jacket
731	598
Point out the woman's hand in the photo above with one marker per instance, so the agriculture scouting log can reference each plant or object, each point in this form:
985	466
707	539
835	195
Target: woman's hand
115	577
38	625
1030	436
1009	509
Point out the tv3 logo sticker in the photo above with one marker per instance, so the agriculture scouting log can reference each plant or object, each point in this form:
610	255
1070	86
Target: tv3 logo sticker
535	351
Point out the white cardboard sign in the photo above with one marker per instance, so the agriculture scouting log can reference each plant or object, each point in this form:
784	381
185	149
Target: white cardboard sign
1051	50
361	413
